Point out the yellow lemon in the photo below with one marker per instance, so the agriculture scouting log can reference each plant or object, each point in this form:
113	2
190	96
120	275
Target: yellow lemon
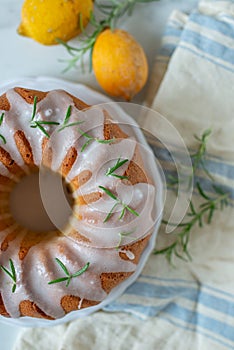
119	63
47	20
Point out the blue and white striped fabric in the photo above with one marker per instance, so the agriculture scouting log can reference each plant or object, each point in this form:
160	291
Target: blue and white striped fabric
192	305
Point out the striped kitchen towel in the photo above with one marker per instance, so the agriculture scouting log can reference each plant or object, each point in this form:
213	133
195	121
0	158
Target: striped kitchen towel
190	306
193	87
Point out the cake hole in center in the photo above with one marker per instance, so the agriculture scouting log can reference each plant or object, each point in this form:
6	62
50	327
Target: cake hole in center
27	207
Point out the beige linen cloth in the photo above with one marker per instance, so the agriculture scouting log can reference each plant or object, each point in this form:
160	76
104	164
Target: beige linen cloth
190	306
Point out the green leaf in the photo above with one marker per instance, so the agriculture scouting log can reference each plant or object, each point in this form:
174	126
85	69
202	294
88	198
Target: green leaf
118	164
68	115
179	255
132	211
34	108
7	272
105	141
62	279
68	281
85	145
165	250
218	189
205	134
120	177
108	192
122	213
43	130
193	211
61	264
81	271
210	216
68	125
1	118
3	139
11	274
110	213
85	134
45	122
12	270
202	193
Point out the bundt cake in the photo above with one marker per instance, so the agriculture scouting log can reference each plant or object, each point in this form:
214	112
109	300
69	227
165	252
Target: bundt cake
49	274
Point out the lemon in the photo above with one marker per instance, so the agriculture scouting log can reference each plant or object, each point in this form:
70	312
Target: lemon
47	20
119	63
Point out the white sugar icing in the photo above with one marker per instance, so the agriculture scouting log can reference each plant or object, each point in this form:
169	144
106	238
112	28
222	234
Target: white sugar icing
101	245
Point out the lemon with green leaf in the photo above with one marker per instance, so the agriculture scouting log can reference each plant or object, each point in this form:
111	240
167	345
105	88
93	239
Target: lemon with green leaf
46	21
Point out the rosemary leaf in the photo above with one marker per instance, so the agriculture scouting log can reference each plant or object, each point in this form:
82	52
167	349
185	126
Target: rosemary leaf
34	108
82	270
122	213
108	192
61	264
85	145
1	118
11	274
132	211
122	235
45	122
13	270
201	192
7	272
68	115
3	139
71	124
58	280
105	141
111	212
124	206
42	129
119	163
85	134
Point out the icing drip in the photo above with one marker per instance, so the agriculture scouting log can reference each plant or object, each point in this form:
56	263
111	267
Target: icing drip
80	303
40	268
128	253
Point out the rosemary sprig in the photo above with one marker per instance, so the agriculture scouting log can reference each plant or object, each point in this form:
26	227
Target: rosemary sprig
198	159
118	202
122	235
198	217
91	139
39	124
68	276
112	12
111	171
11	274
1	120
201	215
199	156
66	120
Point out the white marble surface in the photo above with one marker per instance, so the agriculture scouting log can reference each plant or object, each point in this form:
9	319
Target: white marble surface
22	57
